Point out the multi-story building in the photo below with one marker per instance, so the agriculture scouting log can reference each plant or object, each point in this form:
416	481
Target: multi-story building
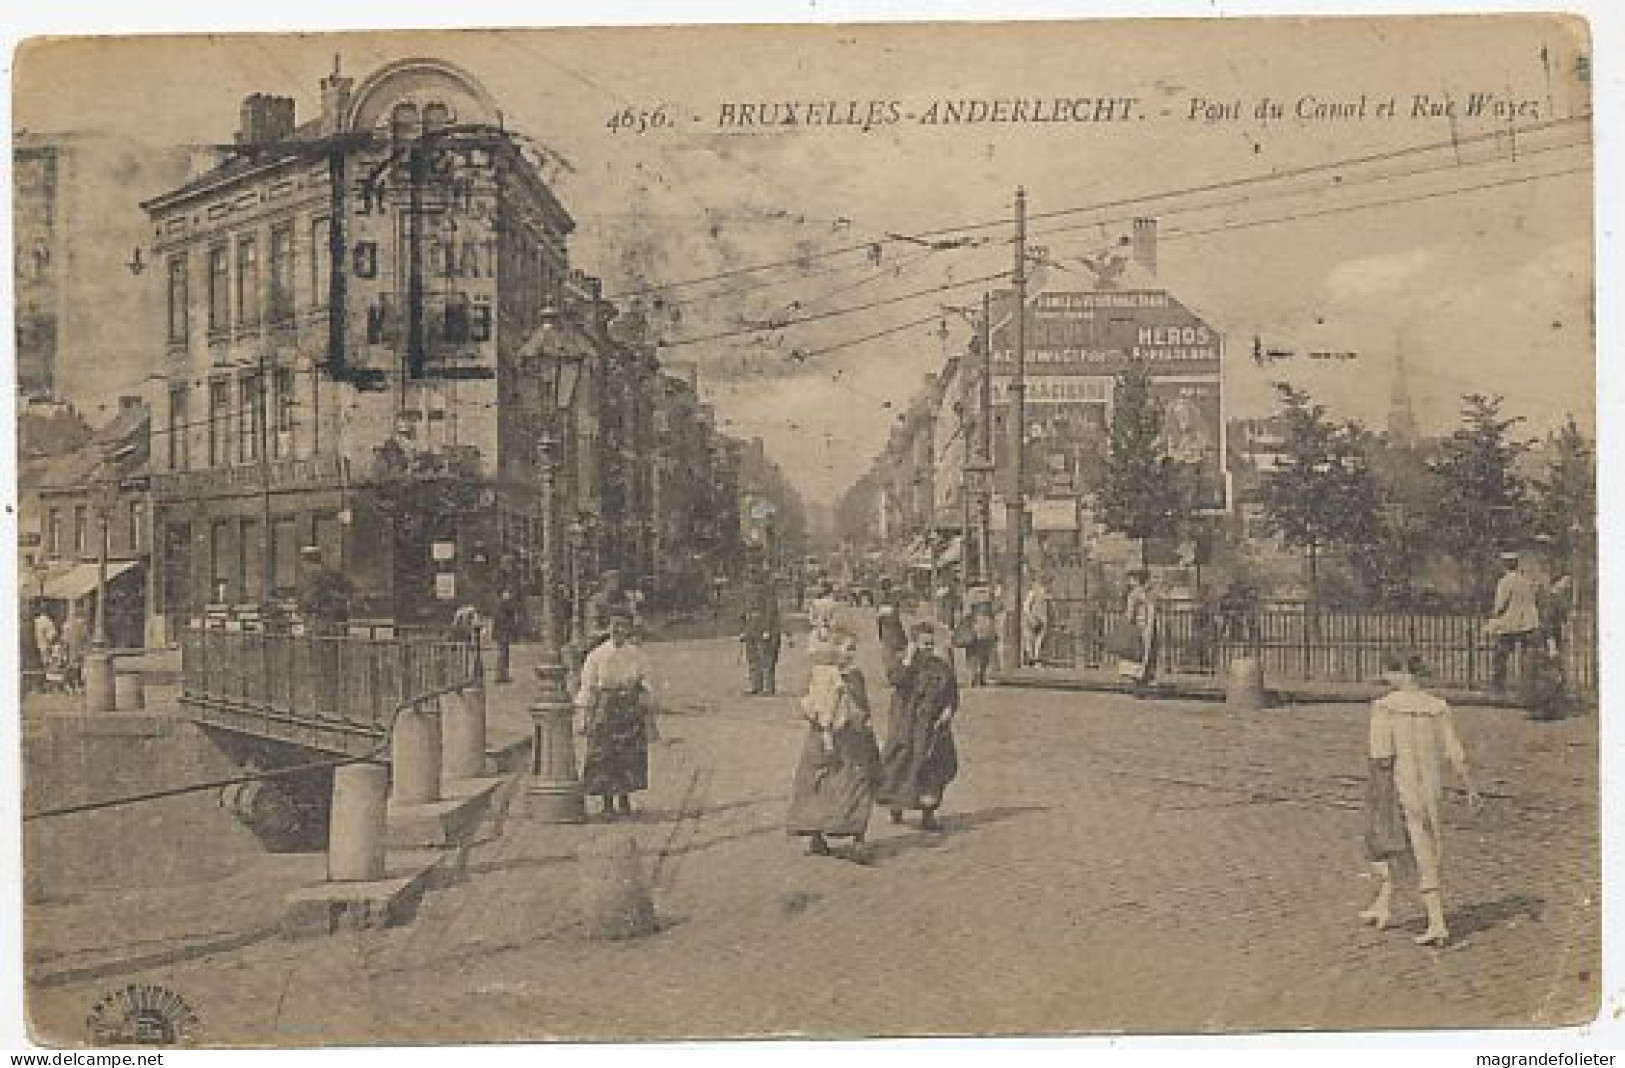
370	327
103	481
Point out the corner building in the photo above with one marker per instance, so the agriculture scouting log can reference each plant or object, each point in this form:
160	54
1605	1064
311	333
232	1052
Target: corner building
365	318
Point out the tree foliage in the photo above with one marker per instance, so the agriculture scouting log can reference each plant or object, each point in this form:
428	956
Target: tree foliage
1563	504
1480	502
1141	497
1323	492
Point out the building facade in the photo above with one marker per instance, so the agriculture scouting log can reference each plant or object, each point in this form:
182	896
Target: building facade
371	329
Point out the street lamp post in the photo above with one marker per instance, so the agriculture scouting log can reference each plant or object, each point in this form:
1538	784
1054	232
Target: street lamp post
555	787
578	610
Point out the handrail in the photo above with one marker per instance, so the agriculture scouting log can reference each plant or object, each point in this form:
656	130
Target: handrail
340	680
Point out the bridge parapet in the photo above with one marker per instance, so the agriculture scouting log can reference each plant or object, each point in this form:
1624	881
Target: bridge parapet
332	693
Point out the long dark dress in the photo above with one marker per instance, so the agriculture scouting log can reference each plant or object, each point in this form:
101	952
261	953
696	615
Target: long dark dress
617	760
920	759
832	793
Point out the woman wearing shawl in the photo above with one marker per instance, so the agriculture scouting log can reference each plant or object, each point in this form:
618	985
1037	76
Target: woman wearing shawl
1412	736
833	789
920	759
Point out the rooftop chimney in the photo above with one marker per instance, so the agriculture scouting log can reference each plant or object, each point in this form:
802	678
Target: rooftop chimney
265	119
1145	244
335	98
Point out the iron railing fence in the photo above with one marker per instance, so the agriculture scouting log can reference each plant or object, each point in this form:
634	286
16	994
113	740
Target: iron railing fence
355	681
1312	645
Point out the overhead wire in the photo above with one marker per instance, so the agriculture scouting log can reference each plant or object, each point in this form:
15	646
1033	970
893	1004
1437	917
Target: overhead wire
1454	143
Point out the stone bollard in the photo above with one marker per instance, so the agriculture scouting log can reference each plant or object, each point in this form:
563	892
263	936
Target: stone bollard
614	894
129	691
357	826
415	755
1244	691
98	680
462	723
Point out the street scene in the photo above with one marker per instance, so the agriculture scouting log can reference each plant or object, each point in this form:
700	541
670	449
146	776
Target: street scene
524	536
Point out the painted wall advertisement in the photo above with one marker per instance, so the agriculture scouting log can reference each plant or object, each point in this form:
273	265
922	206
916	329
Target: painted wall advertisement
1077	345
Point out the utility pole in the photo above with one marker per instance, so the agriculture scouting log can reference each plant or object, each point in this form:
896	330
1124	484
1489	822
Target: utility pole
1015	503
984	502
268	561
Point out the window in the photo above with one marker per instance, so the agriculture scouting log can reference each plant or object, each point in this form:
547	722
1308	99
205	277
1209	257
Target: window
219	422
221	567
219	290
480	327
365	263
138	522
321	262
178	432
282	273
282	417
285	557
249	426
248	281
53	532
250	557
81	529
456	328
383	322
177	299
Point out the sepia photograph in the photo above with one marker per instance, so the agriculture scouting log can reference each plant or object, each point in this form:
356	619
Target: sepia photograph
825	531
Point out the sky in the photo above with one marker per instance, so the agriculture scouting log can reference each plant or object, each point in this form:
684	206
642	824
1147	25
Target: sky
1472	260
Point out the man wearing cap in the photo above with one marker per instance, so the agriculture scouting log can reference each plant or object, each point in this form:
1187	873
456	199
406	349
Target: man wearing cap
760	630
505	618
920	758
1515	619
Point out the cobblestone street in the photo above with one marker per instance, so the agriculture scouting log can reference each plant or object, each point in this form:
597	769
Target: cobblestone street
1106	865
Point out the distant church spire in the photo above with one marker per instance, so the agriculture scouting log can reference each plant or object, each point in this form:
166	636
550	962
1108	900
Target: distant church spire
1401	416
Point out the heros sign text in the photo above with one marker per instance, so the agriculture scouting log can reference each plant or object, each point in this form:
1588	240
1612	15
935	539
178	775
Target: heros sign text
1077	343
1102	333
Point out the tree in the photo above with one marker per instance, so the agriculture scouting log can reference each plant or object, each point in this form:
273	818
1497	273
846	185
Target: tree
1480	503
1563	506
1323	493
1141	497
1404	489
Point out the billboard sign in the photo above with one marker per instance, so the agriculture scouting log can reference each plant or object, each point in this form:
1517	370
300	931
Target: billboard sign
1193	437
1103	333
1077	345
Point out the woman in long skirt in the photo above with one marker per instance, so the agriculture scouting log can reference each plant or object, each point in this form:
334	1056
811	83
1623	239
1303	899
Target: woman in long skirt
612	700
834	783
1412	736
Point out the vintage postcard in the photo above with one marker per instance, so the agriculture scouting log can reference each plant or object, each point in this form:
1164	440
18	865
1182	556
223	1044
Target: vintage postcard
829	530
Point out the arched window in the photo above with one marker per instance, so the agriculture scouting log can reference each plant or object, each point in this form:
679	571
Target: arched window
404	124
436	116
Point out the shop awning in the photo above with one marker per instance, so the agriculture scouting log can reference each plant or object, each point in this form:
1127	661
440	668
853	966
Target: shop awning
80	579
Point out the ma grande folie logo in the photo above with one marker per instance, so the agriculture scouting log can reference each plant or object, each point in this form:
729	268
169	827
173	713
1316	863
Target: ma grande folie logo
143	1014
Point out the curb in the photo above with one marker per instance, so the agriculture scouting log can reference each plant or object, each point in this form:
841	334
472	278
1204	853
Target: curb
1352	693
